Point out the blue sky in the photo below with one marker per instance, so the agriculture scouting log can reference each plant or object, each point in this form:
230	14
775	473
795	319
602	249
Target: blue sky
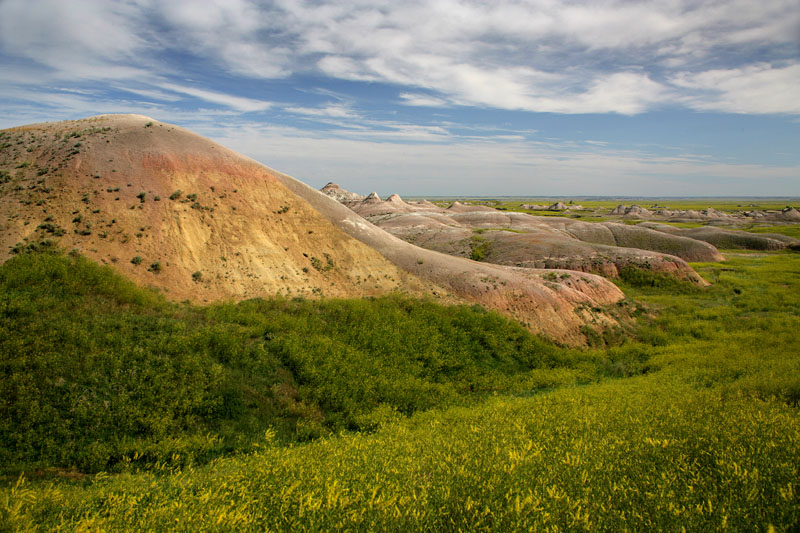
444	97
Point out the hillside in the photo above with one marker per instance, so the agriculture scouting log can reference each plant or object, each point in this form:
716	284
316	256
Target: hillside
204	222
519	239
178	212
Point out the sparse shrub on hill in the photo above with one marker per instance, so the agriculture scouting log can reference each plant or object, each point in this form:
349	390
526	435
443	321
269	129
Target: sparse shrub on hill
638	277
479	248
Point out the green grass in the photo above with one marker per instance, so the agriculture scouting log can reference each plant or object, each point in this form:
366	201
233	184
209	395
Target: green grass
479	247
595	209
635	455
639	278
100	373
704	435
789	230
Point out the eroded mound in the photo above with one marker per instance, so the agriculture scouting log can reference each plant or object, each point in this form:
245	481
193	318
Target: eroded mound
174	210
518	239
555	304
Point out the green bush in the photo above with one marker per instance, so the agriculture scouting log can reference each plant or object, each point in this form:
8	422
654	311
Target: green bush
640	277
479	247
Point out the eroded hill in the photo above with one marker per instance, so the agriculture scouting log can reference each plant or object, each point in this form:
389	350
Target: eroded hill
519	239
173	210
176	211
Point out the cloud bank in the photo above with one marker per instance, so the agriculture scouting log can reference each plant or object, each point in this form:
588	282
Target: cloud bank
540	55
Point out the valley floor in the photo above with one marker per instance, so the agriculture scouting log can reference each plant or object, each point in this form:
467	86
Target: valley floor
696	427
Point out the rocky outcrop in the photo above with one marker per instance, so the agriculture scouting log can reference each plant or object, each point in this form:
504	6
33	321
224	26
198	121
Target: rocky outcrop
372	199
789	214
637	211
340	195
395	199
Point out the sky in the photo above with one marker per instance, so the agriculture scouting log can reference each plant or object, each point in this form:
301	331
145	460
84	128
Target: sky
439	97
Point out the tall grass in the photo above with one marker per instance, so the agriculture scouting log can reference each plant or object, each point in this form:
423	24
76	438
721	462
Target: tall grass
703	436
100	373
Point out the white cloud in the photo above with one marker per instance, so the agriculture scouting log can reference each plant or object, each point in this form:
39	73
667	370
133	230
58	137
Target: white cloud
544	55
421	100
152	94
238	103
77	39
229	32
330	110
752	89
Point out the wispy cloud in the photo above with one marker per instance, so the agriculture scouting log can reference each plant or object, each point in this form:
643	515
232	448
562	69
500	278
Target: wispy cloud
330	110
81	39
238	103
422	100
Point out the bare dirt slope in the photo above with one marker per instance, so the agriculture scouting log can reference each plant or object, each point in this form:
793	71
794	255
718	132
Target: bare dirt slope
519	239
123	187
176	211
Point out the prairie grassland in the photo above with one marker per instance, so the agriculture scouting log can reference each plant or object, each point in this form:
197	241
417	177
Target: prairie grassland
599	210
792	230
704	435
639	454
720	204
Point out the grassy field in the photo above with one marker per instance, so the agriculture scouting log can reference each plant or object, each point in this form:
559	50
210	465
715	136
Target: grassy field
792	230
693	424
598	210
720	204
